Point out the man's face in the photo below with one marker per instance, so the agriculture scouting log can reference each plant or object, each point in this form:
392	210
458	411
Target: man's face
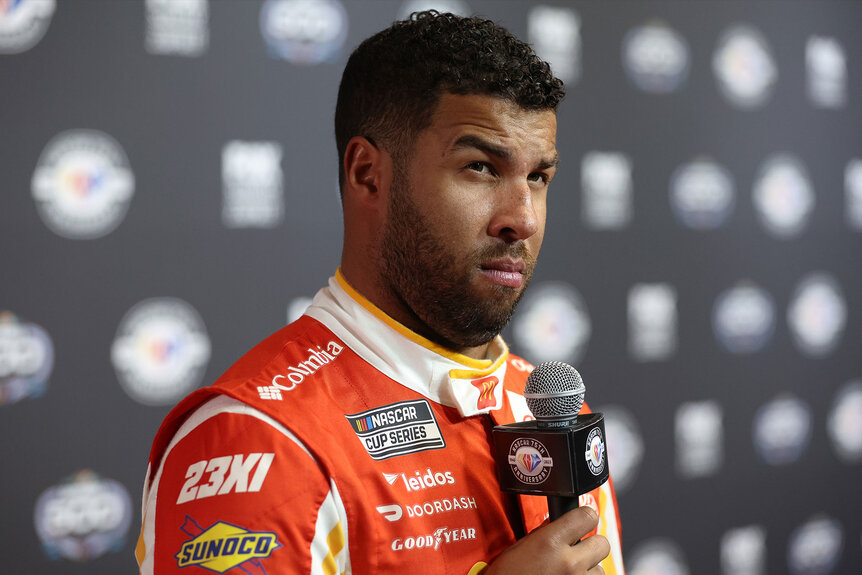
466	217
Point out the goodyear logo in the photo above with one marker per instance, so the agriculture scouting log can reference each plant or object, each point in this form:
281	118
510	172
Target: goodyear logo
223	546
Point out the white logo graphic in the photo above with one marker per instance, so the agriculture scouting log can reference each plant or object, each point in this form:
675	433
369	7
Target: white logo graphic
453	6
26	359
624	444
652	321
783	196
699	438
815	547
743	318
595	451
743	551
83	184
304	31
656	58
826	68
529	461
228	474
657	557
296	374
84	517
702	194
179	27
421	479
782	430
161	351
442	535
744	66
441	506
817	315
853	193
606	186
845	422
391	512
552	323
555	34
23	23
252	184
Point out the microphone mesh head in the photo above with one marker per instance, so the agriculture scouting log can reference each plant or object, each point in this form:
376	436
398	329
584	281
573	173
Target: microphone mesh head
554	391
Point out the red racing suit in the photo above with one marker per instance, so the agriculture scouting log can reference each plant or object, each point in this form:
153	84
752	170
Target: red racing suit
343	443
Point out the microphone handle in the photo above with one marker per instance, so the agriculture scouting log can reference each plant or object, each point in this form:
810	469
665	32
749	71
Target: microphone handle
558	505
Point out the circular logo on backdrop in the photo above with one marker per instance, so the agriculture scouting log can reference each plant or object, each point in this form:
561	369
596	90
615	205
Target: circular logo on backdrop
304	31
817	315
83	184
161	351
595	453
656	57
744	66
743	318
783	196
845	422
83	517
26	359
552	323
624	445
658	556
782	430
529	461
702	194
23	23
815	548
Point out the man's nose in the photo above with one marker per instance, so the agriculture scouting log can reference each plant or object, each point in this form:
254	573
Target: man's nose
516	216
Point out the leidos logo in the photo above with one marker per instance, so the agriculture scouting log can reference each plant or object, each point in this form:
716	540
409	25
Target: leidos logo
421	481
486	387
223	546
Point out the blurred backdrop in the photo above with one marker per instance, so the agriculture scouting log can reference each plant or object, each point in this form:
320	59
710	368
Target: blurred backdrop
169	197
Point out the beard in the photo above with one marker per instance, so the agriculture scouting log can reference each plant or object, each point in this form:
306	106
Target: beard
437	285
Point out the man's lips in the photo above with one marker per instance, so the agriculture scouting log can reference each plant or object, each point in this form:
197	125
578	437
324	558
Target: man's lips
507	272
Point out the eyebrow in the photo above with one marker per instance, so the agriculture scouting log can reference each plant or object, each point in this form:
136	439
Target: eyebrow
472	141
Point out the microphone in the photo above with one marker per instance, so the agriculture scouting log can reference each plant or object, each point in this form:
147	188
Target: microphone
561	454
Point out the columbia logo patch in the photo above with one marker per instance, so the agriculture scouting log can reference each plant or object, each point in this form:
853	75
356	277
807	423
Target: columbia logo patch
397	429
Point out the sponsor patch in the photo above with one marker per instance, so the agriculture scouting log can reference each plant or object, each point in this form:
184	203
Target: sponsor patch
397	429
223	546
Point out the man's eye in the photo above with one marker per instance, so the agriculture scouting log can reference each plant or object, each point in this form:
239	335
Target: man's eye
480	167
537	177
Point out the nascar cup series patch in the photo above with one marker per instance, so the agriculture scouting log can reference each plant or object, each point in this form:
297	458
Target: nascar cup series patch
223	546
397	429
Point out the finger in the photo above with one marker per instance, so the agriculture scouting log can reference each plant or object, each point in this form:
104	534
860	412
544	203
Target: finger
572	526
591	551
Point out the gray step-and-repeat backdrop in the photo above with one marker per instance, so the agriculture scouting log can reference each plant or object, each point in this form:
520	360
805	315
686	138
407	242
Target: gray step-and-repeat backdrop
168	177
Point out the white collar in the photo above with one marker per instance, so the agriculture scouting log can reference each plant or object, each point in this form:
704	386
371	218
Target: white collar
446	377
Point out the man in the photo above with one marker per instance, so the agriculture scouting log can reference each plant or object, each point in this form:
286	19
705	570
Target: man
357	439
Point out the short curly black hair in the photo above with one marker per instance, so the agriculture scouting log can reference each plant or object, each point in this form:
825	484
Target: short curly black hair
393	81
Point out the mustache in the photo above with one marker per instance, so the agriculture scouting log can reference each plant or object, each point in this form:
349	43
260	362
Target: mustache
515	250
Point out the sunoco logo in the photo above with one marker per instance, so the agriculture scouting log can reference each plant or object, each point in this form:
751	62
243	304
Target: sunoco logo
224	546
83	184
397	429
529	461
595	453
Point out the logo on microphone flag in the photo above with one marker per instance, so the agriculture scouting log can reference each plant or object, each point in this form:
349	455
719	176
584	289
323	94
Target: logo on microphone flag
530	461
595	453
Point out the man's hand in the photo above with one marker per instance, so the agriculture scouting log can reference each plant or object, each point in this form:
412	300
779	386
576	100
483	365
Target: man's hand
554	548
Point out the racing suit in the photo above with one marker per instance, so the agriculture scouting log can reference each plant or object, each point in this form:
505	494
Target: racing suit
344	443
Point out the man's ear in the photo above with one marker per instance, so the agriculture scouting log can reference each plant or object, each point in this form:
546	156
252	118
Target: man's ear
367	170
